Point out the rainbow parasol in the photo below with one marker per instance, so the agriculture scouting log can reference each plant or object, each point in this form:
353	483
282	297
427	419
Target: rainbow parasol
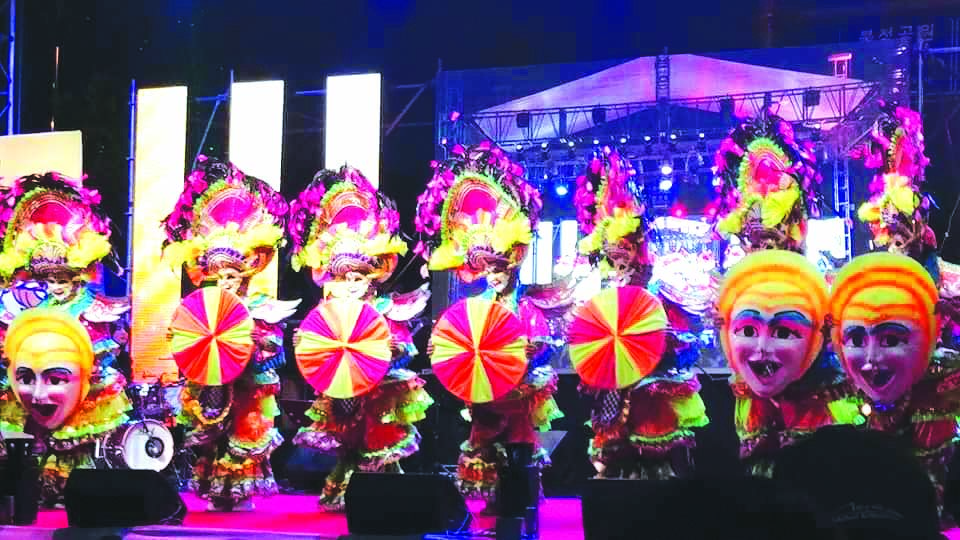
618	337
211	336
479	350
344	348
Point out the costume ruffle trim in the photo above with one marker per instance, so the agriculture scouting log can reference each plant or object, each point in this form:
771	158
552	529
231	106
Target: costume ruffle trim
376	461
323	441
270	441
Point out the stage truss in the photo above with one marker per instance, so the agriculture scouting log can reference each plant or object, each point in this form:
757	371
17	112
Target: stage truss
9	70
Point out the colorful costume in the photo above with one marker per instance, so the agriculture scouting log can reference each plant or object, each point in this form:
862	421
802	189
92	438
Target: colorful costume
884	309
54	233
226	228
644	431
59	394
772	310
769	185
346	232
477	218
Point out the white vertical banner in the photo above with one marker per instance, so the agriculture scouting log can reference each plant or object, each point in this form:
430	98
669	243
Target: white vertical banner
353	123
256	146
569	235
543	270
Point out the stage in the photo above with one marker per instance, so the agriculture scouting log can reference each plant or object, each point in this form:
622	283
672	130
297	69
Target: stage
290	516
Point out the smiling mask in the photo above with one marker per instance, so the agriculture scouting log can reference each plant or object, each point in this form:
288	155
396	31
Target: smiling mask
773	305
51	358
885	325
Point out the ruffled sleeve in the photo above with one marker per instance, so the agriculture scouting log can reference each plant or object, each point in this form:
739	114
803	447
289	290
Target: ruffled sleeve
104	409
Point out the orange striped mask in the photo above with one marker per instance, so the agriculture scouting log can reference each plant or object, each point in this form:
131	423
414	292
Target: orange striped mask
886	326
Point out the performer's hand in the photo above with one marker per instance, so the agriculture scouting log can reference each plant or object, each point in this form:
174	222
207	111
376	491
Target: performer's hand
430	347
396	348
296	338
531	350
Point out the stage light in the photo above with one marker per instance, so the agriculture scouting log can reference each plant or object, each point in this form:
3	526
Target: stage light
454	116
702	135
561	189
647	138
666	169
678	211
607	150
354	123
544	145
717	181
596	142
673	136
623	140
666	184
159	154
546	176
519	148
443	141
256	147
571	144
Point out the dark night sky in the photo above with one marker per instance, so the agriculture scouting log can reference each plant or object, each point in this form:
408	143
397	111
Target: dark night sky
105	43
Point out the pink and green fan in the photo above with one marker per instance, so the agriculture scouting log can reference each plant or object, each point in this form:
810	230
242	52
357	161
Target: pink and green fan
344	348
618	337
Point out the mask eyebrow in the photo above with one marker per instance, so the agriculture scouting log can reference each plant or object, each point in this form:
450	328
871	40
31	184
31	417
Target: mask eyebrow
889	327
854	330
749	315
23	370
793	316
58	371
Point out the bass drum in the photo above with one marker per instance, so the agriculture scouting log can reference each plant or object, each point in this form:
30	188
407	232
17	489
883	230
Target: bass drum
144	445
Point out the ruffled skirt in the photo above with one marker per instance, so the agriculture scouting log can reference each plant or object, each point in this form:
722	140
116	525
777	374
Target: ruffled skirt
370	433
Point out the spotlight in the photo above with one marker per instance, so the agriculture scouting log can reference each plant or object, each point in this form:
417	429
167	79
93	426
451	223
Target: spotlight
544	145
717	181
561	189
596	142
443	141
571	144
666	184
678	211
673	136
546	176
666	169
647	138
623	140
454	116
702	135
519	148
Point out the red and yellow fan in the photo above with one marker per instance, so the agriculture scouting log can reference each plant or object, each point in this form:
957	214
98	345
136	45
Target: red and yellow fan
211	336
479	350
618	337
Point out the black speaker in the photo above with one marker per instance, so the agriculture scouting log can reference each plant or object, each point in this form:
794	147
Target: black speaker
614	509
121	498
694	509
404	504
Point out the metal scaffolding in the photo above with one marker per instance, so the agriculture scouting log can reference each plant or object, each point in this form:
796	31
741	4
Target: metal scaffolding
9	74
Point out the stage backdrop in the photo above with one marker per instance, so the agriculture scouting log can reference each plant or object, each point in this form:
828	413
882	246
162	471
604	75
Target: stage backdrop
21	155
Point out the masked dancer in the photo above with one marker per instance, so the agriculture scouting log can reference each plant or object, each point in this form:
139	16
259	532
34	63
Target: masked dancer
646	430
347	233
477	219
226	228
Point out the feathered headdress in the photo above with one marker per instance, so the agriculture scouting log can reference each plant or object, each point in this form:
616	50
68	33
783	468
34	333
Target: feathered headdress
897	212
608	207
224	219
341	223
769	187
477	209
50	224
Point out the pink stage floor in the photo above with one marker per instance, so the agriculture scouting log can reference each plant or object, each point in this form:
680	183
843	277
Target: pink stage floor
295	517
560	520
